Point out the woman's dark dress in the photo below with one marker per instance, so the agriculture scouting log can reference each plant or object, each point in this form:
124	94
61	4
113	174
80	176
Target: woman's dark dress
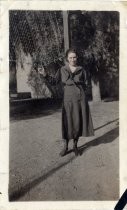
76	117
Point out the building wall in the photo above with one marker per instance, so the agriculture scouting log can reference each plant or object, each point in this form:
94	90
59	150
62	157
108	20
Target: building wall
24	65
23	68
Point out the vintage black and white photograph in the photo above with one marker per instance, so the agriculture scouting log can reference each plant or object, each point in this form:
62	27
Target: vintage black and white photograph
64	105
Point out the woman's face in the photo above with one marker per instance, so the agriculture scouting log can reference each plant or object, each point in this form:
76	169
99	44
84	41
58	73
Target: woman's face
72	59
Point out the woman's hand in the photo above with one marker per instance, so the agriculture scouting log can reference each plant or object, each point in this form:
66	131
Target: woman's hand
41	71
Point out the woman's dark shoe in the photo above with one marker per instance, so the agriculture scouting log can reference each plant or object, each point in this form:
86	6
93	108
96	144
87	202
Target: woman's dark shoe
75	148
64	152
65	149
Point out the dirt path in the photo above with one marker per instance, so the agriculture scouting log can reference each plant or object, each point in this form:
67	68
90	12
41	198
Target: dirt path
37	172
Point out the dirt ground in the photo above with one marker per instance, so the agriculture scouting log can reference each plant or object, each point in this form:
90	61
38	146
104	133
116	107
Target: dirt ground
38	173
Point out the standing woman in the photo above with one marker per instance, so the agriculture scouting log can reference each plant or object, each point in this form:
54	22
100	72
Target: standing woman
76	117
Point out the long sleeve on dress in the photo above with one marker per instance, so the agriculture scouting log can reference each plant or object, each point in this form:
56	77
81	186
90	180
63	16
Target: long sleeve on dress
81	80
68	78
53	80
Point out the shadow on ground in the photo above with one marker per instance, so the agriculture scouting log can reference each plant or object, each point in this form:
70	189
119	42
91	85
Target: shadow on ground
23	110
110	122
111	99
104	139
23	190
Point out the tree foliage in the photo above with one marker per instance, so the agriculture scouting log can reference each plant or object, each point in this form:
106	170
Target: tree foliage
96	35
39	34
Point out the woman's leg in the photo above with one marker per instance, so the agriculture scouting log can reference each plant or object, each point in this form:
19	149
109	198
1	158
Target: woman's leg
65	148
75	147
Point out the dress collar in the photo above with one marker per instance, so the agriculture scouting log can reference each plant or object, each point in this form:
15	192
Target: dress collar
78	68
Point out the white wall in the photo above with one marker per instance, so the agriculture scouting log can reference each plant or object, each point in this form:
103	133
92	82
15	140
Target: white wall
23	67
23	72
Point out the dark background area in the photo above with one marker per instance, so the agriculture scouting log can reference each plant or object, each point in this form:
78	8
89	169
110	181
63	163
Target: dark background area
40	34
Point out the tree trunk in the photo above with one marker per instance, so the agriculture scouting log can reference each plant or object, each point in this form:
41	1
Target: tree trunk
66	32
96	91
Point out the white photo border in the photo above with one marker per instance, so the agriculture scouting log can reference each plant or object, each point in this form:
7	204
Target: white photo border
5	6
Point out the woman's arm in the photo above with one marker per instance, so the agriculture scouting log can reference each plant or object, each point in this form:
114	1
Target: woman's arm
52	80
85	77
66	77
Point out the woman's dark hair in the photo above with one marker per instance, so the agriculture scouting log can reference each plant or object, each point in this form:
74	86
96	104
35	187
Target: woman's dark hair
71	50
